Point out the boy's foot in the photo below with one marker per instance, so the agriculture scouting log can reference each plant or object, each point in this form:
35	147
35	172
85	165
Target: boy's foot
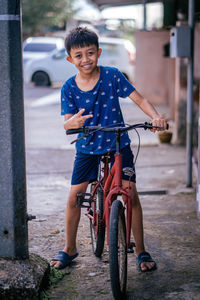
145	262
62	260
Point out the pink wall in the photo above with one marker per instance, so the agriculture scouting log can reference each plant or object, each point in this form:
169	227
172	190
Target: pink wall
197	52
152	76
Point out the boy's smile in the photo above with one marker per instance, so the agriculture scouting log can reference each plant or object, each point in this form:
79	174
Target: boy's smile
85	58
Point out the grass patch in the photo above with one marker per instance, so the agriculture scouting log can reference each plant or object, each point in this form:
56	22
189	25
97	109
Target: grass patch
54	277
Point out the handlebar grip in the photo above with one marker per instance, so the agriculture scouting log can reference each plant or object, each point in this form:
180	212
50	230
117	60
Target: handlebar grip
74	131
150	124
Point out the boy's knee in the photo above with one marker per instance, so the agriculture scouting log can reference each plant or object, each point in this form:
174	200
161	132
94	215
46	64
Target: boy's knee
134	195
132	192
72	200
135	199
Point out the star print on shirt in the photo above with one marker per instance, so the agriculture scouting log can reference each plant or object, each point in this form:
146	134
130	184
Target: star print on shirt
104	106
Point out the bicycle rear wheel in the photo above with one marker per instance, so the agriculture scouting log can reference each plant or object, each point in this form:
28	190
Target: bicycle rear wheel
97	231
117	250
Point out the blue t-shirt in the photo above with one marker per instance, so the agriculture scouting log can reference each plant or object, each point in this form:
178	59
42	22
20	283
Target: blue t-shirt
103	103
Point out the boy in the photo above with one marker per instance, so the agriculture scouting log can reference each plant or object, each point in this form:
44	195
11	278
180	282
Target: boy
91	98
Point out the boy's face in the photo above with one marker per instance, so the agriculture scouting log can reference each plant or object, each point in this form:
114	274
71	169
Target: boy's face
85	58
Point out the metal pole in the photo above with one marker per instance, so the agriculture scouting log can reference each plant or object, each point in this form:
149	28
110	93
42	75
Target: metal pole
198	179
13	219
189	134
144	15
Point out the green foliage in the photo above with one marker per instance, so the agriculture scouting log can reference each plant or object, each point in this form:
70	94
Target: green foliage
56	275
37	15
44	295
54	278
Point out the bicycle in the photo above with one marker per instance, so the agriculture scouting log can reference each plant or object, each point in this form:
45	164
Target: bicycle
106	209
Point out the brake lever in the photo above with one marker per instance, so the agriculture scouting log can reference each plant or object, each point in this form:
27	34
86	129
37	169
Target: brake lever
80	138
87	133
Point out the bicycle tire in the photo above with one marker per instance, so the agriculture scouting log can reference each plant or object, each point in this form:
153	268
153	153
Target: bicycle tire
99	237
118	251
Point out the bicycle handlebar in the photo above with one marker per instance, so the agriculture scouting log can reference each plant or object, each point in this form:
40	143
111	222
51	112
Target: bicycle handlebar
90	129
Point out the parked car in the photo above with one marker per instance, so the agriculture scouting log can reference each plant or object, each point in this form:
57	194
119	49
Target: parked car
40	47
44	70
119	53
35	49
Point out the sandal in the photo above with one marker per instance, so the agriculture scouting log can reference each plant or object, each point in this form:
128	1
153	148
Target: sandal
145	257
65	258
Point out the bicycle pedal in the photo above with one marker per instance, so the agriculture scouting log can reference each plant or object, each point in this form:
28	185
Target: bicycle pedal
84	200
90	212
130	247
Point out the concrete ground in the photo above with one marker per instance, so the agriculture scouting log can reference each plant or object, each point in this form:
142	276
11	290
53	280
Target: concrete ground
171	226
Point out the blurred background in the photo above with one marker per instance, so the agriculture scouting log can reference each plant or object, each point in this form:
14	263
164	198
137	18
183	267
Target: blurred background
135	37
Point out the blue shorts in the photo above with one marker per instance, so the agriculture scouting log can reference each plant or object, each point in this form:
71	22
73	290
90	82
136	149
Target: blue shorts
86	166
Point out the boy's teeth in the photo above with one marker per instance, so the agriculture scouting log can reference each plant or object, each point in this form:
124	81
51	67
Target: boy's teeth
86	66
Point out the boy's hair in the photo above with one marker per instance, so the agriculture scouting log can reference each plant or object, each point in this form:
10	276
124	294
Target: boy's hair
80	37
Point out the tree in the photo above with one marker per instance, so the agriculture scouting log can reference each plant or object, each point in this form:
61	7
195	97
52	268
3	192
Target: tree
37	15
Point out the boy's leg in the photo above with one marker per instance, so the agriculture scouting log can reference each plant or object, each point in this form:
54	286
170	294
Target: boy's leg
72	220
137	223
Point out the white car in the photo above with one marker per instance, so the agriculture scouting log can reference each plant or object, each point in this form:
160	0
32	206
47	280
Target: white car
40	47
54	68
118	53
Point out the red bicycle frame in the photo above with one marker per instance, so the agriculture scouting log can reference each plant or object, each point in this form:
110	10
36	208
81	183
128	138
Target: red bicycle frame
112	181
112	188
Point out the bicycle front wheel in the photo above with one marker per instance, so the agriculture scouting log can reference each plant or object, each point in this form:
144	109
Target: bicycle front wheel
117	250
97	231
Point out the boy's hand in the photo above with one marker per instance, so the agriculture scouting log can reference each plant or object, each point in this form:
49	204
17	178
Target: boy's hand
159	122
77	120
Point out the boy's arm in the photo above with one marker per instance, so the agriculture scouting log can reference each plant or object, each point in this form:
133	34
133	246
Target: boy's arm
148	109
75	121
